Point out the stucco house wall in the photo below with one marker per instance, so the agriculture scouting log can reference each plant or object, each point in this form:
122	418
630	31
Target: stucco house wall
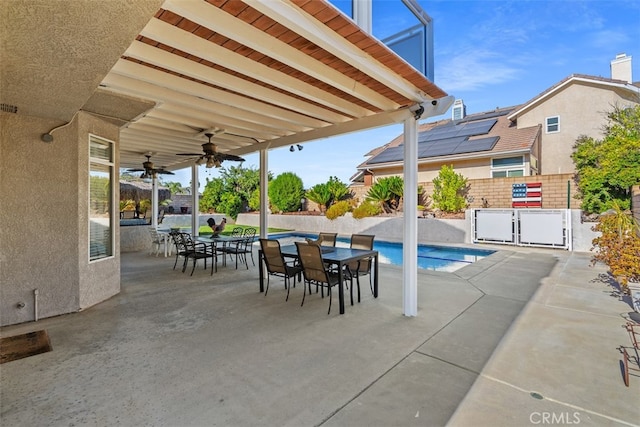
470	168
582	108
44	228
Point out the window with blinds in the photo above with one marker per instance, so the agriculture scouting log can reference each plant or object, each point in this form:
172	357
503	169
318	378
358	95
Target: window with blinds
101	178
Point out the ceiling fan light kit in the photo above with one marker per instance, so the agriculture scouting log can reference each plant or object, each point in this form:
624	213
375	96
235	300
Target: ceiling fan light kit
211	157
148	171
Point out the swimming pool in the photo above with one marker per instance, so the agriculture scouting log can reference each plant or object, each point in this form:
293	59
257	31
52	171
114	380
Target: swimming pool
430	257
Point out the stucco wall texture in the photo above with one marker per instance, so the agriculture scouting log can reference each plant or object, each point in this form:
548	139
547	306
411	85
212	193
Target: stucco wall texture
580	108
48	251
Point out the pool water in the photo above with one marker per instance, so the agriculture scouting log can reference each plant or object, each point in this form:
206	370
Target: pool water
430	257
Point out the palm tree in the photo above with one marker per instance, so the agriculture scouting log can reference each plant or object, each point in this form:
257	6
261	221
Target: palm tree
321	194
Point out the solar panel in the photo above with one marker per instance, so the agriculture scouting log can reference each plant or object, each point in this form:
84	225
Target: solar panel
462	129
481	144
445	140
440	147
393	154
476	128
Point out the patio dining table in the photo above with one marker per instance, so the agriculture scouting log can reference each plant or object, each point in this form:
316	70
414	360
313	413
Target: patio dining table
332	255
216	241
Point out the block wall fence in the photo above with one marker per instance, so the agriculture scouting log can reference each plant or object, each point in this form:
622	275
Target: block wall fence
497	191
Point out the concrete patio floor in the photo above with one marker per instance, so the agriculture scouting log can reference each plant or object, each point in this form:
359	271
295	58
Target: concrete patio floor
175	350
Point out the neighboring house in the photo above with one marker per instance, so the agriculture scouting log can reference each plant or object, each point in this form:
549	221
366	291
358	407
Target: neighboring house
534	138
479	146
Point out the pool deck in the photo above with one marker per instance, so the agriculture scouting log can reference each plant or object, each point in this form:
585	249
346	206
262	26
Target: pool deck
175	350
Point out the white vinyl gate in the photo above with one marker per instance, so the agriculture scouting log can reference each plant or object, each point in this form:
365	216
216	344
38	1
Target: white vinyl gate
523	227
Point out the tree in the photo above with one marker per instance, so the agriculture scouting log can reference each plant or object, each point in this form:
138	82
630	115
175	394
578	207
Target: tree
328	193
320	194
607	168
254	200
232	192
338	190
285	192
450	190
176	187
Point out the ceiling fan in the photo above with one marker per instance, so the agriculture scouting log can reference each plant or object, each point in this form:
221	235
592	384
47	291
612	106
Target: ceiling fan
148	171
211	157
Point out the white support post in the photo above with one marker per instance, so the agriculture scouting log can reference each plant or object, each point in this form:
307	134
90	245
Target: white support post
410	238
264	195
154	201
195	201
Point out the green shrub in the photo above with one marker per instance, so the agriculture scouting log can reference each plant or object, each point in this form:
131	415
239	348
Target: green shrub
325	194
607	168
618	245
127	205
450	190
145	205
254	200
387	192
285	192
366	209
338	209
338	190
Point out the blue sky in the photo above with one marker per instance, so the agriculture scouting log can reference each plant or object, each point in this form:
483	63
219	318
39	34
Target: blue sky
490	54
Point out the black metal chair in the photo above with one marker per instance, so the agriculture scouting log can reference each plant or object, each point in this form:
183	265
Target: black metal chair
314	270
362	267
196	251
242	247
276	264
181	249
249	236
230	248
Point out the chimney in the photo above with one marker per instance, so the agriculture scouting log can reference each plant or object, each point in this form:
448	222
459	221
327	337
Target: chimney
621	68
459	110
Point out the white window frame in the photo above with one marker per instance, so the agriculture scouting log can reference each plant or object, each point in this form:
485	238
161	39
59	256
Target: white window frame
509	168
110	165
547	124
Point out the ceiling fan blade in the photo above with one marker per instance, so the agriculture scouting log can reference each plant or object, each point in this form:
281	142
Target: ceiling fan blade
163	172
231	157
135	170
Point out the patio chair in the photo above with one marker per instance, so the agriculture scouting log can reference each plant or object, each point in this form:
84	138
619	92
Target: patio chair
250	236
196	251
244	247
181	248
276	264
324	239
157	241
231	248
630	356
314	270
361	267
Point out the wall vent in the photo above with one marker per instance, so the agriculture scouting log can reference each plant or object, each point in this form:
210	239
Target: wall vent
9	108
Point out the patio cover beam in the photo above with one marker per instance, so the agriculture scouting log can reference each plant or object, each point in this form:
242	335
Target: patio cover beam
248	35
309	28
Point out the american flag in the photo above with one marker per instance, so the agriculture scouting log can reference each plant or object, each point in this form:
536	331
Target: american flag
526	195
